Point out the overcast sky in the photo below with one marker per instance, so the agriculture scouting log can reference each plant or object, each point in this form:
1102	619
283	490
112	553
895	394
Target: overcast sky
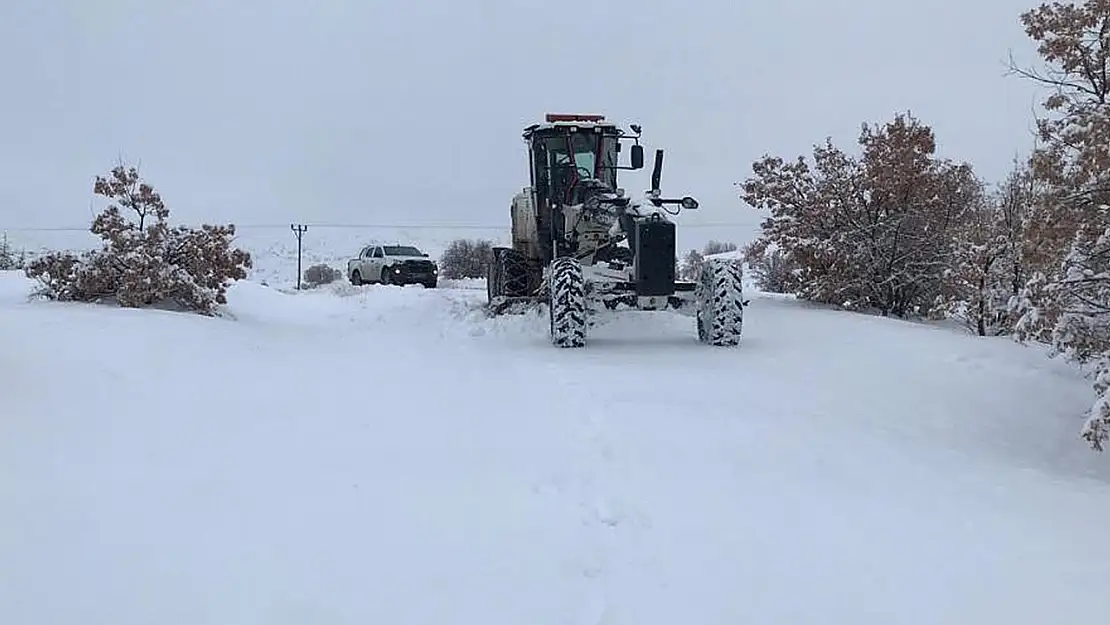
410	112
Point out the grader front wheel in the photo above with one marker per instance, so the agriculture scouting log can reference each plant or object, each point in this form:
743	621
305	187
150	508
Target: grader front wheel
567	304
720	303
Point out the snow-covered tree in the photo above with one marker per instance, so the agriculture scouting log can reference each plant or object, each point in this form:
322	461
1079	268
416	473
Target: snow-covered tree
143	260
1068	297
690	268
990	256
971	288
866	232
770	267
9	258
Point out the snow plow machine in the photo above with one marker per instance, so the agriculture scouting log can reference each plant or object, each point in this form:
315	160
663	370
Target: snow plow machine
578	242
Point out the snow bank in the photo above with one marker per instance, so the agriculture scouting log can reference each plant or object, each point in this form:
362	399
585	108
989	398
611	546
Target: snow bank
15	287
730	255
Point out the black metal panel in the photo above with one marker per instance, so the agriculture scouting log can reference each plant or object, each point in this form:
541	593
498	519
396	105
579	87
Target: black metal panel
655	254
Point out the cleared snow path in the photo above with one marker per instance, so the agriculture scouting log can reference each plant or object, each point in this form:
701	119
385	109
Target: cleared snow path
389	455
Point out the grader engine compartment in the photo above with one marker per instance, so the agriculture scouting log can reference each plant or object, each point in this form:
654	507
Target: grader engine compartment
580	242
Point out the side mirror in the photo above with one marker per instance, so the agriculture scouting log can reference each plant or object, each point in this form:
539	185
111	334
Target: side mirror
689	203
425	254
637	156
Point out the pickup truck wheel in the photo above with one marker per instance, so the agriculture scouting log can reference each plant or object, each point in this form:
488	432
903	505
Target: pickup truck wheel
356	278
385	275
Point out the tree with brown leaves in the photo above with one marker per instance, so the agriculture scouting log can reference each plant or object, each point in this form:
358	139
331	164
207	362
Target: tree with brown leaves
1069	298
872	232
143	261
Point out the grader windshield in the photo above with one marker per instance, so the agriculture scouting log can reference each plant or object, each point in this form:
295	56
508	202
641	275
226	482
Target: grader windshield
584	155
566	161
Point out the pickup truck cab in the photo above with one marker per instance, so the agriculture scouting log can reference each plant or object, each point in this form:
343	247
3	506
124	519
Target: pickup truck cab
392	264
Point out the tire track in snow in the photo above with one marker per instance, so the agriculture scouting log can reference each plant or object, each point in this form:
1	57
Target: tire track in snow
608	520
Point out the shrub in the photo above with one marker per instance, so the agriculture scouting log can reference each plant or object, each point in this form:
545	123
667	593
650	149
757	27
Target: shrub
143	261
8	258
772	269
692	262
318	275
466	258
691	265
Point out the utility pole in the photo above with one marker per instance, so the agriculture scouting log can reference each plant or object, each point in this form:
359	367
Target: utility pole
298	230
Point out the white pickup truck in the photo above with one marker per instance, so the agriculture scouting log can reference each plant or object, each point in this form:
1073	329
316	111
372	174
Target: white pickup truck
392	264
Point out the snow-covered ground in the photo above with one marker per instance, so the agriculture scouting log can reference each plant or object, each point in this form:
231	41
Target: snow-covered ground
390	455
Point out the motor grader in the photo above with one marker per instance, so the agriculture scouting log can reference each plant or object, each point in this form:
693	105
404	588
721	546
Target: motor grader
579	242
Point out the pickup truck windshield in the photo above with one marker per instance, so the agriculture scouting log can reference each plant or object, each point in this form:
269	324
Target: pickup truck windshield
401	250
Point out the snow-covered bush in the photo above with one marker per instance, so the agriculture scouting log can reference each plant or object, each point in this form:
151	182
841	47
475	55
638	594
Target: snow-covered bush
143	261
770	267
691	265
1079	301
9	259
689	268
466	258
321	274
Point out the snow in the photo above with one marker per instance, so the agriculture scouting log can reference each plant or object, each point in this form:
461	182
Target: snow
729	255
390	455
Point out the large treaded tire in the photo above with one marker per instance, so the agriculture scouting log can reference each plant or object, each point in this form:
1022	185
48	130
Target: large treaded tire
508	274
567	306
719	296
495	277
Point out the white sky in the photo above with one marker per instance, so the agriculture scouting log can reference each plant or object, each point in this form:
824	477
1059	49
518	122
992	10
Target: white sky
410	112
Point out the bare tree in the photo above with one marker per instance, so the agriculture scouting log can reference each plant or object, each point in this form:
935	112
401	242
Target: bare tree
466	258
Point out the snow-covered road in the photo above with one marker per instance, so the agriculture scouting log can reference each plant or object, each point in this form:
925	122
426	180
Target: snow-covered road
388	455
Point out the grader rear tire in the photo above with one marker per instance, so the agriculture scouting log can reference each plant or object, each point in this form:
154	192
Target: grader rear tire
509	275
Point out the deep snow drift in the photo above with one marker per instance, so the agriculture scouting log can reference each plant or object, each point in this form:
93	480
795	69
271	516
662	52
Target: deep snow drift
388	455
